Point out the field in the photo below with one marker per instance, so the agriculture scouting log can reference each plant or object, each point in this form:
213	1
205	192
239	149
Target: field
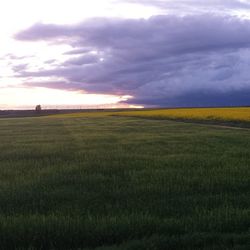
234	116
98	181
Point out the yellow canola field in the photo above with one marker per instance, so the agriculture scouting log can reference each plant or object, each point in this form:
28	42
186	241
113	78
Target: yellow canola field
223	114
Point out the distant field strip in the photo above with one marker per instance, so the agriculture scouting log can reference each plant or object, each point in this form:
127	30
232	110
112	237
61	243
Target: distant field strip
206	114
83	114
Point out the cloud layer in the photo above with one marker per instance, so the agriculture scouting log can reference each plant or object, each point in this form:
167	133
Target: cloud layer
196	6
164	60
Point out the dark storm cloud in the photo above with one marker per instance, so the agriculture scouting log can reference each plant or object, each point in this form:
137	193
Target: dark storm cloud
198	99
157	60
172	34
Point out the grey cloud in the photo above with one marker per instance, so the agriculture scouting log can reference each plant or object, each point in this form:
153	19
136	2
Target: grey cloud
82	60
13	57
78	51
196	6
157	60
50	61
170	34
20	67
52	84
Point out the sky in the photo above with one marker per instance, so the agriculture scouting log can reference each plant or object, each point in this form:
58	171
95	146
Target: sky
124	53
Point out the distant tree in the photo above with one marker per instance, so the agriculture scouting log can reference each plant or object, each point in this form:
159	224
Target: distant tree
38	108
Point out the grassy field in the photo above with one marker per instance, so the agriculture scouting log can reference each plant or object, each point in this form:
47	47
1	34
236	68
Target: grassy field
122	183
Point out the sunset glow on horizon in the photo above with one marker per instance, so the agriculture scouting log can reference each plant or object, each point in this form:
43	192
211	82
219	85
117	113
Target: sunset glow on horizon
28	98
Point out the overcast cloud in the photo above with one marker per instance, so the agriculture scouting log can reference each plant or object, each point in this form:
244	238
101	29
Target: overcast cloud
163	60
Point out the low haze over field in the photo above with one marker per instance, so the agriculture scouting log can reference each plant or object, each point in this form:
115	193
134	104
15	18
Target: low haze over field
124	53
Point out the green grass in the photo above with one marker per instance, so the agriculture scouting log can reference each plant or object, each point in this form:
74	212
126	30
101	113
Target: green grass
123	183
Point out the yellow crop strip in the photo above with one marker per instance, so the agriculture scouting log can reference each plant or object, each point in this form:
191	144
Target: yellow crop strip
219	114
222	114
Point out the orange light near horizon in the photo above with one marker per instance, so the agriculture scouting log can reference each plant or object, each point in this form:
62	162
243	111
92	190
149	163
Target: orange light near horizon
136	106
11	98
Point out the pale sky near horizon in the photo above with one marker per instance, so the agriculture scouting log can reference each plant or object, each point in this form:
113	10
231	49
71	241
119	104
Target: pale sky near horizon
18	15
122	53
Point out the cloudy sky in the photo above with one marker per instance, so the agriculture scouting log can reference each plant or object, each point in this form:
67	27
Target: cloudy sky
124	53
